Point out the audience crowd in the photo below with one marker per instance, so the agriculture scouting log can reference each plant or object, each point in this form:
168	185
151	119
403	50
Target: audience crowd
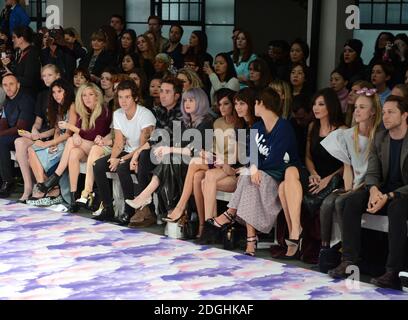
141	106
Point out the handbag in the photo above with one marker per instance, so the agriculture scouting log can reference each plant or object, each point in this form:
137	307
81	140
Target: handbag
232	236
312	202
189	226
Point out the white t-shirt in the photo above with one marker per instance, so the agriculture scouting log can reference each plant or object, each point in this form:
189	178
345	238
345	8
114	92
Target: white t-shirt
131	129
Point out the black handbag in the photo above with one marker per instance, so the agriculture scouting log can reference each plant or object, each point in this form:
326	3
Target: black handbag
232	236
312	202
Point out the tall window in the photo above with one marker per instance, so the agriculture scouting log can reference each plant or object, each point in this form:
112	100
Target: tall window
186	12
36	12
215	17
386	15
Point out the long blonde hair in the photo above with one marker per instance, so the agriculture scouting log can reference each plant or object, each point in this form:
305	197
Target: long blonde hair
88	118
284	88
375	123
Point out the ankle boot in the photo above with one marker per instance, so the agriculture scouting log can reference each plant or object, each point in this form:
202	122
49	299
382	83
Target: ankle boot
50	183
73	206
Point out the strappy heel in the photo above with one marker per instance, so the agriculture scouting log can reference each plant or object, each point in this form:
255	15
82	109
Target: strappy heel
251	240
231	220
87	199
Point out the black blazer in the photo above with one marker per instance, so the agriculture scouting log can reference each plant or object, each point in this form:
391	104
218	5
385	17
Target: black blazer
105	59
378	162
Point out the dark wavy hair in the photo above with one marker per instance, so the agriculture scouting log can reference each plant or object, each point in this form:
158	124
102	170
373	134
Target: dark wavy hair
231	72
56	111
333	108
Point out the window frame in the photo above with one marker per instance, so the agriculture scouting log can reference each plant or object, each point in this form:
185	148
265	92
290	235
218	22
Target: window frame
386	25
156	9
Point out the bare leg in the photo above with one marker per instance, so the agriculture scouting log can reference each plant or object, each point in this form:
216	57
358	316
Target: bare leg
65	157
36	166
95	154
148	191
294	196
22	145
77	155
282	197
210	191
251	240
199	200
195	165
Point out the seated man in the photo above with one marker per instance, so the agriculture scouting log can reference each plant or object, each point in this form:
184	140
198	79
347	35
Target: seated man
386	193
132	125
18	114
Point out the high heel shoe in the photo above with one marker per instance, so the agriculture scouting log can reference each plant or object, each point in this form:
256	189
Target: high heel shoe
140	206
49	184
292	243
87	199
167	219
73	206
230	218
251	240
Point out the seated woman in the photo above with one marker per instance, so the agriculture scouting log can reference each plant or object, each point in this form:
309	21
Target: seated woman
195	110
93	119
223	76
321	167
224	151
43	156
351	146
256	202
40	130
223	177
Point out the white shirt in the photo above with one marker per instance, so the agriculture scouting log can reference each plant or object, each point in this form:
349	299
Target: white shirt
131	129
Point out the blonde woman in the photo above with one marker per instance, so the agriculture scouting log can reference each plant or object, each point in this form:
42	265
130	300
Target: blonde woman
285	93
190	79
40	130
351	146
93	119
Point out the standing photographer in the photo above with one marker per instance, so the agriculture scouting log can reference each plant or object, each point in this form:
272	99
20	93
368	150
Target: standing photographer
57	52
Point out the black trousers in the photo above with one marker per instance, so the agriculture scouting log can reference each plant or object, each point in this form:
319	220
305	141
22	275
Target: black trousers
144	171
100	168
397	211
6	165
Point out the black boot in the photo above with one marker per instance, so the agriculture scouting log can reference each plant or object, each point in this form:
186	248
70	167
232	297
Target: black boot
73	206
107	214
50	183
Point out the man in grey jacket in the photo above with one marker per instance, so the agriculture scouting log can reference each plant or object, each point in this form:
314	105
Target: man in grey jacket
386	193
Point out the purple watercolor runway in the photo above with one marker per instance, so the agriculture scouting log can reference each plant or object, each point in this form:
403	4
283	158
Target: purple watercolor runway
51	255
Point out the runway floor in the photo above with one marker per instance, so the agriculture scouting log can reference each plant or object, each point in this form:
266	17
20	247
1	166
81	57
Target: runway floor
53	255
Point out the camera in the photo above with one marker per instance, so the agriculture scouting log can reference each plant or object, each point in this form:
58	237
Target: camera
53	33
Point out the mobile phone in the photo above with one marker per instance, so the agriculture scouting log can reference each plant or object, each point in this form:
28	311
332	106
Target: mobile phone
3	55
